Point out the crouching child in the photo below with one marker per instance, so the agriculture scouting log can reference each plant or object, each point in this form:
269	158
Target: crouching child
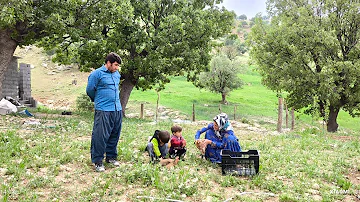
177	143
157	146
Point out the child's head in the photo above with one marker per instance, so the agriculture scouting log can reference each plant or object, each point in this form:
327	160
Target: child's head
176	130
164	137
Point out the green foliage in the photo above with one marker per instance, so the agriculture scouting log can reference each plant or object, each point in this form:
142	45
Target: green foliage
242	17
222	77
78	30
252	23
233	47
241	46
244	23
30	21
239	30
343	183
230	40
83	103
311	55
156	39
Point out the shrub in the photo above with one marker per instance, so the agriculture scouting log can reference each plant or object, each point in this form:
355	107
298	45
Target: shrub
83	103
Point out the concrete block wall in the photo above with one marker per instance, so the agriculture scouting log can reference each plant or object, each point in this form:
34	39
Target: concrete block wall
17	81
10	85
24	81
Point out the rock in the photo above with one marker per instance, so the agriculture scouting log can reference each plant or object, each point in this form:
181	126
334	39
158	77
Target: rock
132	115
317	198
316	186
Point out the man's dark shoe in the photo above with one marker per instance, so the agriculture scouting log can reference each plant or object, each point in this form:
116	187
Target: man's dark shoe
99	167
114	162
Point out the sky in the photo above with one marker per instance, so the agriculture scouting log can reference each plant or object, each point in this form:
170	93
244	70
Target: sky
248	7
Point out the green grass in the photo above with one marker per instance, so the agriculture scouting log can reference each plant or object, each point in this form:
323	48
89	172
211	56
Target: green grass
253	100
345	121
51	162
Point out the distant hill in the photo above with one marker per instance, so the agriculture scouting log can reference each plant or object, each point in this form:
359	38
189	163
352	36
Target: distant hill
240	29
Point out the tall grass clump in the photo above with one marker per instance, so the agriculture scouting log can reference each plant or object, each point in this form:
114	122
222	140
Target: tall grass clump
83	103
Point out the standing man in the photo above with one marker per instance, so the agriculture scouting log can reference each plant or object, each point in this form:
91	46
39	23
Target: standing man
103	90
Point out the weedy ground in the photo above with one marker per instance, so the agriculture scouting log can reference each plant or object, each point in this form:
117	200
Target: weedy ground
47	158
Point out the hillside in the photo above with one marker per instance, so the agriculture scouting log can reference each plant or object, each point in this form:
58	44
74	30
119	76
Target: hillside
54	86
241	30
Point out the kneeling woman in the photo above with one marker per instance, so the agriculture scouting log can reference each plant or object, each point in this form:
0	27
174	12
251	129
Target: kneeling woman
219	135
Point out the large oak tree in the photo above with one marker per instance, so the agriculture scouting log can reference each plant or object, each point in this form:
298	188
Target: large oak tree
24	22
156	39
311	50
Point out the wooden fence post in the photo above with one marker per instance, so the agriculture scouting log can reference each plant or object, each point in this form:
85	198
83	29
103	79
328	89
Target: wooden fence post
292	118
219	108
234	112
142	111
157	106
193	112
286	115
280	111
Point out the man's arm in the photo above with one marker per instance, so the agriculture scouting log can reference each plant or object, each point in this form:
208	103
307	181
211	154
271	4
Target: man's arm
91	86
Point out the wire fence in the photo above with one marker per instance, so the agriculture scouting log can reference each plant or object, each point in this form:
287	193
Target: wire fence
193	112
197	111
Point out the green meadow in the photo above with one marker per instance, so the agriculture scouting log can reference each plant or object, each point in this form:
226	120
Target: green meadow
253	102
47	157
50	161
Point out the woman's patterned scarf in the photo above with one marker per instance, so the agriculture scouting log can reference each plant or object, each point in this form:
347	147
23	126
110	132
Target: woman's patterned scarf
222	121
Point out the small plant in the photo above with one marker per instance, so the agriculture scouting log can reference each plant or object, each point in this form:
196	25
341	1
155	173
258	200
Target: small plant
83	103
247	121
43	109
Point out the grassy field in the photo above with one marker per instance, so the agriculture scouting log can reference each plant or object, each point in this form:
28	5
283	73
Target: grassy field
254	102
47	158
50	161
207	103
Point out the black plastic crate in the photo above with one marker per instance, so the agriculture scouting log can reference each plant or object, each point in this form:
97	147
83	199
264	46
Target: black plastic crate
240	163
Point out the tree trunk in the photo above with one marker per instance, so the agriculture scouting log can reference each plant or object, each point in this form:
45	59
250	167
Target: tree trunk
126	87
223	99
7	49
332	125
